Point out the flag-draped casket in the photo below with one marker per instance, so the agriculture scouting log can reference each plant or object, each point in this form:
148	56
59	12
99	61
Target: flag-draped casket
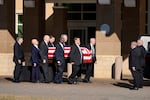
87	54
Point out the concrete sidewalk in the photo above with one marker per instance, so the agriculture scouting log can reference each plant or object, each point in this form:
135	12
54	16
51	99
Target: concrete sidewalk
99	89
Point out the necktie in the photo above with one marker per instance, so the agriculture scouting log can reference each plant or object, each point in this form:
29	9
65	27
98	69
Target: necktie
62	46
80	52
52	45
93	50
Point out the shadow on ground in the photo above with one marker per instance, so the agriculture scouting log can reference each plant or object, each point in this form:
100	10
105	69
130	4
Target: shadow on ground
9	79
128	83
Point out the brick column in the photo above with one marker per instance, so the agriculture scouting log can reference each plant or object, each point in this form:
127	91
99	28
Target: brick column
60	21
33	23
108	47
7	36
7	26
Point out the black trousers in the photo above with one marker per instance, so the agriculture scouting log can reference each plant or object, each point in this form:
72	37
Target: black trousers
45	72
17	71
75	70
35	73
52	71
89	71
138	78
59	73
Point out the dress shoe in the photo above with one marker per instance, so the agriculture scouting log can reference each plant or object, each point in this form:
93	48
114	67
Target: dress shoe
134	88
16	81
70	81
57	82
47	82
79	79
140	86
85	81
37	81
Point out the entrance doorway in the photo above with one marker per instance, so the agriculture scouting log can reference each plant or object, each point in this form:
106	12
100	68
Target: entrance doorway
83	33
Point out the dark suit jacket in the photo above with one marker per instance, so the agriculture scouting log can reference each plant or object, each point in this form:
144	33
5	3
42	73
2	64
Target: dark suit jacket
35	55
44	51
93	58
135	59
51	45
142	56
59	53
18	53
75	55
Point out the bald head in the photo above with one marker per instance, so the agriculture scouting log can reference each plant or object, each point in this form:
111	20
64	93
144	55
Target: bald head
139	42
46	38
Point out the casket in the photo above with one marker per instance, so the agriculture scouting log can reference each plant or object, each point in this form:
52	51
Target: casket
87	54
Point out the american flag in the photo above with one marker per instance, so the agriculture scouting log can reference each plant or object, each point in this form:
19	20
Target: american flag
87	54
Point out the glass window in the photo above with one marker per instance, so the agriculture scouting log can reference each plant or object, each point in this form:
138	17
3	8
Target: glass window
74	16
89	16
89	7
73	7
19	25
19	19
20	30
81	11
80	33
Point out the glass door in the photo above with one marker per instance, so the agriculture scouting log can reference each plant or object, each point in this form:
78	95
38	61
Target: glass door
81	33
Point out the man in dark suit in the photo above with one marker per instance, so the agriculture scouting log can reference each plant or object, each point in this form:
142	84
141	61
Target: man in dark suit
60	59
18	58
52	68
135	65
35	60
75	59
142	59
90	66
44	57
143	52
51	41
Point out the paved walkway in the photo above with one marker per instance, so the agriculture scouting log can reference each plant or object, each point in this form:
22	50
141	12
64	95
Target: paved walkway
99	89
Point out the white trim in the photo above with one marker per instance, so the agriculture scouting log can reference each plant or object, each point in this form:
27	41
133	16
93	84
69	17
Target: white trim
16	24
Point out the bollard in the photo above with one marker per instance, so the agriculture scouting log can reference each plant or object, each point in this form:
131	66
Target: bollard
118	67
